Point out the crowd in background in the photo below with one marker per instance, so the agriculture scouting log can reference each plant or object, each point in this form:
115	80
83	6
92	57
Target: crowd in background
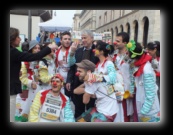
91	81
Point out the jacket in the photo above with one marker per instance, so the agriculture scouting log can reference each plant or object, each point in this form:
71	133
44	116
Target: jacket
71	78
16	57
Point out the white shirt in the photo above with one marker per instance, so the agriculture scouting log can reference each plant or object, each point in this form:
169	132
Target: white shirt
63	67
104	104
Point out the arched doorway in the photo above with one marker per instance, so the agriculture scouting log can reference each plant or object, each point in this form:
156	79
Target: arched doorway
116	31
145	31
128	29
112	34
136	31
121	28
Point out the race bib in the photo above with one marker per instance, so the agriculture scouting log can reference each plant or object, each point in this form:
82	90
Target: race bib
110	89
51	108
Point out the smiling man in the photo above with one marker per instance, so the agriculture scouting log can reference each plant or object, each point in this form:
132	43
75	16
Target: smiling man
106	106
51	105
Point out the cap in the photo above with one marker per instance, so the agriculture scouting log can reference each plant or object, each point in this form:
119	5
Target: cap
86	64
33	43
153	45
57	75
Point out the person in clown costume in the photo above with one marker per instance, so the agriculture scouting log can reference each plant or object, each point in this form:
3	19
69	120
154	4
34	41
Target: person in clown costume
127	109
96	86
106	67
153	49
143	79
30	80
51	105
46	68
63	59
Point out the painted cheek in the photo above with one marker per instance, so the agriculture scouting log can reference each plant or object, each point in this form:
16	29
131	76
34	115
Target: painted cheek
59	87
96	52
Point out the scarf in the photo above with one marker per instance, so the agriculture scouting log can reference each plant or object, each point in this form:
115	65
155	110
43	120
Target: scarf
141	63
57	53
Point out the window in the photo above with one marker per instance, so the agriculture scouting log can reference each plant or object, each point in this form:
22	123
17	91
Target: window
112	15
100	21
105	18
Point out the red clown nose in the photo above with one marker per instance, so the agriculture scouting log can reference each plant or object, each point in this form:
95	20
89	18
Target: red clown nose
77	74
115	43
54	83
37	66
94	50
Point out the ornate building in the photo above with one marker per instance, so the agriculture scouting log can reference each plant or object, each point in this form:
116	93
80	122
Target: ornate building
142	25
76	20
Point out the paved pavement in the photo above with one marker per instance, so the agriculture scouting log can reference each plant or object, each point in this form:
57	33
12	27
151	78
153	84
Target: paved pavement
12	107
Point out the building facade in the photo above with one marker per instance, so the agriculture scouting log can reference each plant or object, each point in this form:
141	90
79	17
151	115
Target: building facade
142	25
76	20
88	20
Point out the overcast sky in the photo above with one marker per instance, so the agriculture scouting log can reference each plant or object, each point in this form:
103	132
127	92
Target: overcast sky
65	17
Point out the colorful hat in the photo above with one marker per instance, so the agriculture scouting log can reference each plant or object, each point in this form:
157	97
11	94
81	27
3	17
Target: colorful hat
131	47
57	75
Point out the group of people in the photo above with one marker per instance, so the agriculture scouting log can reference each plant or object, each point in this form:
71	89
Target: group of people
106	83
45	36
